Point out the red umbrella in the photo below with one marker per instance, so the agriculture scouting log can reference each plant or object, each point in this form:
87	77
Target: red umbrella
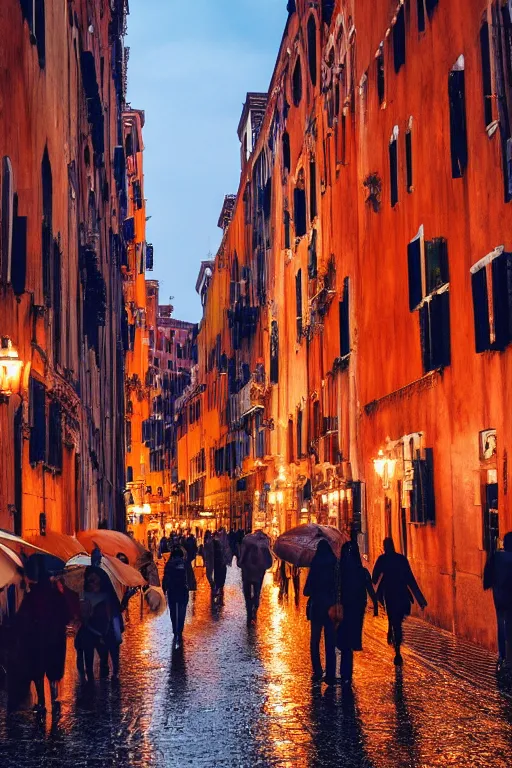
298	545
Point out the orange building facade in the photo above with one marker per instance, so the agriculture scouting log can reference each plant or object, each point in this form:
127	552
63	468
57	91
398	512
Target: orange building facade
354	352
62	90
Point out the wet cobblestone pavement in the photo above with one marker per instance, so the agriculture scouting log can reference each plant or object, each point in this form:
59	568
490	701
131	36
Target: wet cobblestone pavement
239	697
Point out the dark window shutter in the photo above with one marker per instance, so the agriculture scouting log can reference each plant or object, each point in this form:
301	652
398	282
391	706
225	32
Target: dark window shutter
500	294
19	254
149	257
287	241
299	434
436	258
345	320
37	450
274	353
298	300
421	16
299	212
414	263
312	60
399	39
312	191
408	161
425	337
485	52
55	435
440	330
458	136
286	152
481	310
129	474
393	170
431	5
312	257
428	486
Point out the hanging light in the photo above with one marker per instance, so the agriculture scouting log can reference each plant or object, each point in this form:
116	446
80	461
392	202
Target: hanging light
280	497
10	368
379	464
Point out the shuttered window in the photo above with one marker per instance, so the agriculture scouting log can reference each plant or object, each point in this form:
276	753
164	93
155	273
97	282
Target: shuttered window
414	250
37	448
423	506
19	251
55	435
274	353
458	133
299	212
313	210
491	282
7	219
312	58
298	300
345	320
399	40
393	167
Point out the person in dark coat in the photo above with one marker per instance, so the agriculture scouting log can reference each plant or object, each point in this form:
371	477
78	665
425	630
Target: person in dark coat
175	585
96	633
208	557
396	590
321	588
220	568
355	585
254	561
498	577
41	630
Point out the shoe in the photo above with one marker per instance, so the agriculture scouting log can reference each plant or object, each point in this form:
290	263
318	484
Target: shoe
398	660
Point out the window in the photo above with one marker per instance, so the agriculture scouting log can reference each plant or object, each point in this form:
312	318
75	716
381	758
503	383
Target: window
291	446
423	506
491	280
129	474
37	449
39	31
458	135
46	175
55	435
312	256
399	39
287	239
297	83
485	52
381	83
299	207
316	420
421	16
274	353
393	165
312	190
429	294
345	319
286	152
298	299
502	39
327	10
299	433
408	157
7	219
19	251
312	49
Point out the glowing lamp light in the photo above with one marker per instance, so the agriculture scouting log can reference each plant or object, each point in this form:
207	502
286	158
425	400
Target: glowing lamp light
10	368
379	464
335	497
324	498
280	497
272	498
342	494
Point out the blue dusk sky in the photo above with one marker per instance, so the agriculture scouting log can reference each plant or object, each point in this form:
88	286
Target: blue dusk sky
191	65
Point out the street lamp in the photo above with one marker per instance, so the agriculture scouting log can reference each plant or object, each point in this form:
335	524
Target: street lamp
10	369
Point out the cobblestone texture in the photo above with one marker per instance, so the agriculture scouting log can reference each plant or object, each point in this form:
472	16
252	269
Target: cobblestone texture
239	697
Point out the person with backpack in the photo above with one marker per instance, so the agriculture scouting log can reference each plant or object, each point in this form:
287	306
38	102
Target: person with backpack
175	585
498	577
255	559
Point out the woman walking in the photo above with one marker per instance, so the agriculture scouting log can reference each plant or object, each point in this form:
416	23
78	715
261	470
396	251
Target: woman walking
355	585
219	567
321	588
175	586
208	557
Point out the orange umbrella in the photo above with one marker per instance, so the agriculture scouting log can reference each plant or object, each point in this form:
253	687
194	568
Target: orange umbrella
19	545
112	543
59	544
122	576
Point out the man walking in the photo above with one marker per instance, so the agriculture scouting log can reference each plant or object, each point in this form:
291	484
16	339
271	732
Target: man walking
396	590
498	577
255	559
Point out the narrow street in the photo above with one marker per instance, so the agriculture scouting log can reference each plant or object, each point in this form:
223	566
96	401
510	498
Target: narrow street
242	697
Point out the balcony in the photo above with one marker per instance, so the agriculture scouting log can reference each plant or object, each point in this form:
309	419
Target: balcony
252	395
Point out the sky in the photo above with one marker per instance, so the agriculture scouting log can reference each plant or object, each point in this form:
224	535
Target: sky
191	65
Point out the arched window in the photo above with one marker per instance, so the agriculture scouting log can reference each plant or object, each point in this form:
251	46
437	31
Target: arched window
297	83
312	49
286	152
7	218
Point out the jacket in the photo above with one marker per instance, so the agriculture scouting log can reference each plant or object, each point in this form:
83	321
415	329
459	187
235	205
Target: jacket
255	556
175	582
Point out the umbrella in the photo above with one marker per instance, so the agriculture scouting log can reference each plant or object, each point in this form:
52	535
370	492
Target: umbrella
112	543
122	576
155	600
298	545
19	545
34	558
59	544
10	565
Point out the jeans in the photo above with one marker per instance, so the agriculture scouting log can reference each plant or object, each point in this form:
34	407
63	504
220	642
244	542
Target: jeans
252	590
178	611
330	647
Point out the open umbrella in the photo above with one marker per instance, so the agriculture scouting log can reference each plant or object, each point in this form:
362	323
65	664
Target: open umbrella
59	544
122	576
112	543
298	545
34	558
19	545
10	565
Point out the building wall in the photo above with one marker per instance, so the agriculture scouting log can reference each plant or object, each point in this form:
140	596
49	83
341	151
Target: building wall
358	362
60	306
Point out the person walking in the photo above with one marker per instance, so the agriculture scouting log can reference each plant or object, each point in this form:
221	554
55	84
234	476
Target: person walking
208	556
219	567
355	586
40	626
163	547
93	634
255	559
190	546
396	590
498	577
175	586
321	588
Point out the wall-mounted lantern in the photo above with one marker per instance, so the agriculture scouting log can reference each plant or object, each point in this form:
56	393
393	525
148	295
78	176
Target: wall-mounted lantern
10	369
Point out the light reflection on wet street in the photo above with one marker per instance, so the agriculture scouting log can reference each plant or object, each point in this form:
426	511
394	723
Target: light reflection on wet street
242	697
